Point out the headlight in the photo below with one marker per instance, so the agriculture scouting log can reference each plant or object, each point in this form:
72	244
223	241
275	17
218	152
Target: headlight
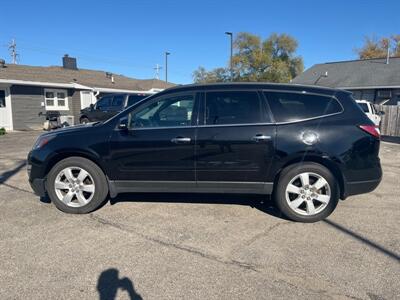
42	141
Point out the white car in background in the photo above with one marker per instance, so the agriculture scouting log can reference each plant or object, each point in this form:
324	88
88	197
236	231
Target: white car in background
369	109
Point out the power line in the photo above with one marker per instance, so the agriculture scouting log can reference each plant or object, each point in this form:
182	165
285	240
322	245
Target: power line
85	56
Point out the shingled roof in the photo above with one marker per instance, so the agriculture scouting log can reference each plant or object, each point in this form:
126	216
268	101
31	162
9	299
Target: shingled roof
369	73
90	78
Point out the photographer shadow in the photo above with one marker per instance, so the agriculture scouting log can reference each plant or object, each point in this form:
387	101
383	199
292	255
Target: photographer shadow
109	283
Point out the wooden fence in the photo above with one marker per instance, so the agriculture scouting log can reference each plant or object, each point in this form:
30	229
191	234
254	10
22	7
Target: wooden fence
390	120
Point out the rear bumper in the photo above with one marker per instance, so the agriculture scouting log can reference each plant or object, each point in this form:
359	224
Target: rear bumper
361	187
38	186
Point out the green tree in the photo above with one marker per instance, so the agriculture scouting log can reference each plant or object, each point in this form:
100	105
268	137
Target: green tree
273	60
377	48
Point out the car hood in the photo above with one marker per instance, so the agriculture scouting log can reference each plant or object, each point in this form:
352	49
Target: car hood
85	110
72	129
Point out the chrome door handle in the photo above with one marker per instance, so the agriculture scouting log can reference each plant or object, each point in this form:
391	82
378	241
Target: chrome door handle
261	137
181	140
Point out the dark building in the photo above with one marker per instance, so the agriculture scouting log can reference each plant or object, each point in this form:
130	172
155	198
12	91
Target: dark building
374	80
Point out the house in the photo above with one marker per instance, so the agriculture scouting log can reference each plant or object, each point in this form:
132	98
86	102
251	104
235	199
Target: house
375	80
25	91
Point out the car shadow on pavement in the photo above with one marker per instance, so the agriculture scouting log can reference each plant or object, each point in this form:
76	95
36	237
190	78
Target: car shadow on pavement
362	239
9	173
262	203
109	283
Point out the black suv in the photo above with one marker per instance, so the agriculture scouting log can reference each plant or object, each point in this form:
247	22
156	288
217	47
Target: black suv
108	106
307	146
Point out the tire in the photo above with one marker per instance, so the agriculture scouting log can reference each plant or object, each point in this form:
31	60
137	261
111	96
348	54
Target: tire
84	120
82	192
306	203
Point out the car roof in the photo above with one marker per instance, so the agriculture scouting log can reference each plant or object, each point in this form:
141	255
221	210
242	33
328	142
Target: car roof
254	85
124	94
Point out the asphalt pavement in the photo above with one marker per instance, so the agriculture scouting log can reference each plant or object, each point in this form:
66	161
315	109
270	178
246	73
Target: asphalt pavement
185	246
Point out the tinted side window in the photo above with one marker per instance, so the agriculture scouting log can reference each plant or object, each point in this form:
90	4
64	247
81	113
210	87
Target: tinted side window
135	98
117	102
289	107
364	107
104	103
236	107
165	112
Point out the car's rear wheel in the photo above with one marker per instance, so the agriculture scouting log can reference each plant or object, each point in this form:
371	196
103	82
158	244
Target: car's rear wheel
77	185
84	120
306	192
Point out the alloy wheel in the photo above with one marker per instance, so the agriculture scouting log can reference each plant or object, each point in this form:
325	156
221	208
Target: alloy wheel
74	186
308	194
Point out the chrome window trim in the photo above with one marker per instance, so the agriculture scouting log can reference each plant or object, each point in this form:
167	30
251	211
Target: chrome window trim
205	126
238	125
257	124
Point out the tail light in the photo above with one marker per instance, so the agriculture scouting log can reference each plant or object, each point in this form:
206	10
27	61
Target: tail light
371	129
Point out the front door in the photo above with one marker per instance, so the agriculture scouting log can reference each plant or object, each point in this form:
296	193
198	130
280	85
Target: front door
158	147
5	110
235	143
102	109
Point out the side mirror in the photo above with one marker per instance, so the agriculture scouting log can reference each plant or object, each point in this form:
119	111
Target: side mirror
91	106
381	112
123	124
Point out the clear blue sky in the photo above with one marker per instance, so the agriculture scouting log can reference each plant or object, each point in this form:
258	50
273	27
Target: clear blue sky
130	37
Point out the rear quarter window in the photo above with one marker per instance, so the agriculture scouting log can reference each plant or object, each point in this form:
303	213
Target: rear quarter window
363	106
290	107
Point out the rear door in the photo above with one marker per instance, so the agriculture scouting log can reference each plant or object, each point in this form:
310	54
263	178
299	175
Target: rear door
235	142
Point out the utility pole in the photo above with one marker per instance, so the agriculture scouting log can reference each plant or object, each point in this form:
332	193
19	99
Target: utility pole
157	69
388	51
13	51
230	60
166	66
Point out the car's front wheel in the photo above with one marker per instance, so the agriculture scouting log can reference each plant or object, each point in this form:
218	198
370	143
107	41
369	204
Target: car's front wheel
76	185
306	192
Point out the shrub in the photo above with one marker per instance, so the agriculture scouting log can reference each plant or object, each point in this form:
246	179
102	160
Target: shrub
2	131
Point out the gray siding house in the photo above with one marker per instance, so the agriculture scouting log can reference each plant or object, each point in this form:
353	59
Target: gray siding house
373	80
27	90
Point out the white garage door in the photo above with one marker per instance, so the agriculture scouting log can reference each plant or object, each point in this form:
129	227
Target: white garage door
5	109
86	99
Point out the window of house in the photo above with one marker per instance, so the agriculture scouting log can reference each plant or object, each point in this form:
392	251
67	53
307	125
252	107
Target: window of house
56	99
384	93
236	107
290	107
2	98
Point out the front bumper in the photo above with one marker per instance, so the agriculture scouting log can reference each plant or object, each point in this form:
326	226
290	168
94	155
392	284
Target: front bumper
38	186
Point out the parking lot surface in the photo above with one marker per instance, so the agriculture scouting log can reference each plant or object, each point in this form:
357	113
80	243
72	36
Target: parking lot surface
152	246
